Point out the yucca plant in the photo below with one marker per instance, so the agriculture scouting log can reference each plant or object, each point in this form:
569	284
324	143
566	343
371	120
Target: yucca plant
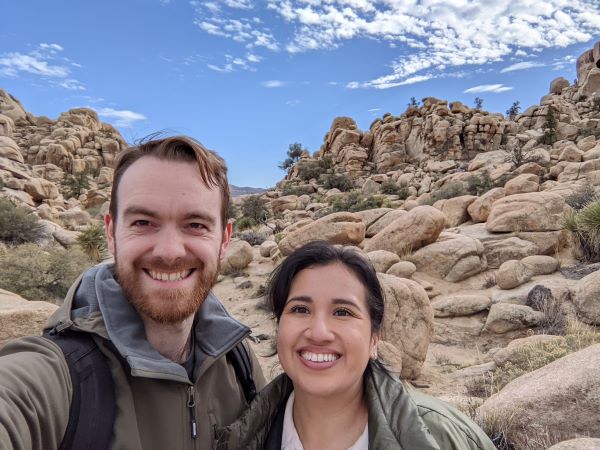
584	226
92	242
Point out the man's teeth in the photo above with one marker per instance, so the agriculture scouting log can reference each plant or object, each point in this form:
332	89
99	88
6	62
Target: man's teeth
319	357
169	276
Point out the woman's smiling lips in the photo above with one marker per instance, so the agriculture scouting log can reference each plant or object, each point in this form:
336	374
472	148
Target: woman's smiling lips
318	358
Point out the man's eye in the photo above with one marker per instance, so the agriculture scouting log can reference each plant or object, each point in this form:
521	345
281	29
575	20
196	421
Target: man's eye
141	223
299	309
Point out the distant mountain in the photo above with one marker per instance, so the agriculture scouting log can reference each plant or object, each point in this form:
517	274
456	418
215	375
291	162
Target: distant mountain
237	191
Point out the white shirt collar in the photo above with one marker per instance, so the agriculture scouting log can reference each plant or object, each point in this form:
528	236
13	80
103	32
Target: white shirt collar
291	441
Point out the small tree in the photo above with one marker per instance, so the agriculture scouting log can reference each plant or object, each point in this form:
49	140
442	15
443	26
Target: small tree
478	102
255	207
549	126
513	111
413	102
294	153
18	225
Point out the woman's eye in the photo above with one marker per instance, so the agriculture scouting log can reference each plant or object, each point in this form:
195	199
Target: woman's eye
299	309
343	312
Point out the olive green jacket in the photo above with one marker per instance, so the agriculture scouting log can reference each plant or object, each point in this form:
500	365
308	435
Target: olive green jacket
152	392
399	418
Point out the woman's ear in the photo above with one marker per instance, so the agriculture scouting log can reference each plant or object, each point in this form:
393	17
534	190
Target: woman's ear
374	341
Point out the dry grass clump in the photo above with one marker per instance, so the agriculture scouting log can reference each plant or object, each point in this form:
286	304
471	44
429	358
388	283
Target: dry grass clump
532	357
584	226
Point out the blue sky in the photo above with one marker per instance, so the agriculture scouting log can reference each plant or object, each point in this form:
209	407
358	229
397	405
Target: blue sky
249	77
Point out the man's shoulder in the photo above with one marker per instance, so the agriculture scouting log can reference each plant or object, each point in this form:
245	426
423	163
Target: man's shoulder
34	355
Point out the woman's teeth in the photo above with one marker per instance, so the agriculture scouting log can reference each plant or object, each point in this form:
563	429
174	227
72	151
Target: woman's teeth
319	357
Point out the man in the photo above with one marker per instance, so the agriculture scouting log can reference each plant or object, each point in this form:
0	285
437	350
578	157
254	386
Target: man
152	315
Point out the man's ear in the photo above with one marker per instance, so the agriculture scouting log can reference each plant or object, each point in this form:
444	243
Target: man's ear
109	231
226	239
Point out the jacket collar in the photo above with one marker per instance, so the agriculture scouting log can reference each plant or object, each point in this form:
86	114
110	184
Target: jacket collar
394	420
96	304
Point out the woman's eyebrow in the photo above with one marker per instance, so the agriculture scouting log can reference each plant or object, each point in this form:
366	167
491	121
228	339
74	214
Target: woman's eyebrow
300	298
343	301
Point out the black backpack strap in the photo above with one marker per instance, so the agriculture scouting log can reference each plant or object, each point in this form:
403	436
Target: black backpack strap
239	358
93	404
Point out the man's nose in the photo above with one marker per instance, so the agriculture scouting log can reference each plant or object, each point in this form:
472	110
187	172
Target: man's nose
169	245
319	329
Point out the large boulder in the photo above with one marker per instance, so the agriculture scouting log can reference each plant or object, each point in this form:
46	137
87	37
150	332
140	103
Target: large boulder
560	398
418	227
521	184
239	256
453	257
338	228
383	221
577	444
479	210
408	321
455	209
505	317
499	251
285	203
534	211
453	305
382	260
20	317
41	189
587	298
9	149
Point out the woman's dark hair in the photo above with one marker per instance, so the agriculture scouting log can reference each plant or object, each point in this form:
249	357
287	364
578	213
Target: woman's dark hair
322	253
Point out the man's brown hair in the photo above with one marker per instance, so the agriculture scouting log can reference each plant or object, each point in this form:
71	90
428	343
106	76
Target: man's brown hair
211	166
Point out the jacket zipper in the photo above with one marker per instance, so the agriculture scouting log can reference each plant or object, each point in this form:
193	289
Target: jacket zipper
191	404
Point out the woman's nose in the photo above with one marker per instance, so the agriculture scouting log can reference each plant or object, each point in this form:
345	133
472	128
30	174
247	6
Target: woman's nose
320	330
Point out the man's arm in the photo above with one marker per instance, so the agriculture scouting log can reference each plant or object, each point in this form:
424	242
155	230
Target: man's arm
35	395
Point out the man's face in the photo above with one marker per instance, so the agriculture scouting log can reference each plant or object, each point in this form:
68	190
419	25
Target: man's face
167	239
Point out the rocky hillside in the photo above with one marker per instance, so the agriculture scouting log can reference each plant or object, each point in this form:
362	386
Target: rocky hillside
484	230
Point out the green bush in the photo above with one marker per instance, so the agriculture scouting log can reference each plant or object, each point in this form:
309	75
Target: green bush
18	225
581	197
584	226
38	273
74	185
233	211
478	185
338	181
449	190
390	188
549	126
290	189
255	207
310	170
244	223
93	242
355	201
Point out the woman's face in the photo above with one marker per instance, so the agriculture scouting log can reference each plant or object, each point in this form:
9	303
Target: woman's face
324	340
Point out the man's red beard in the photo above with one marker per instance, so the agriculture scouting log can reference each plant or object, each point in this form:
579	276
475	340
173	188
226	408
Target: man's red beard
168	305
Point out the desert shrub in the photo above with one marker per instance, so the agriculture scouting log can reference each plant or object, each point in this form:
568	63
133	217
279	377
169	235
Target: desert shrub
503	179
93	242
251	237
233	211
290	189
390	188
584	226
244	223
338	181
18	225
549	126
532	357
554	321
307	172
584	195
74	185
355	201
255	207
41	273
479	184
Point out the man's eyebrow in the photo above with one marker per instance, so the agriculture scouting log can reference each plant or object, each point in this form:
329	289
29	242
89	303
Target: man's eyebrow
138	210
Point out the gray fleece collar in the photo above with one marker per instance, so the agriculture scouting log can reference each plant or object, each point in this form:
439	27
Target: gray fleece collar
216	332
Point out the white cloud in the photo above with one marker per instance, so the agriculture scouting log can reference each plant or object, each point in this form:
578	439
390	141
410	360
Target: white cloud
273	84
374	109
239	4
234	63
123	118
43	62
441	34
493	88
292	102
524	65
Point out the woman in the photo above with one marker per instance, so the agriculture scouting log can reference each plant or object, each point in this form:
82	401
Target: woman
335	394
